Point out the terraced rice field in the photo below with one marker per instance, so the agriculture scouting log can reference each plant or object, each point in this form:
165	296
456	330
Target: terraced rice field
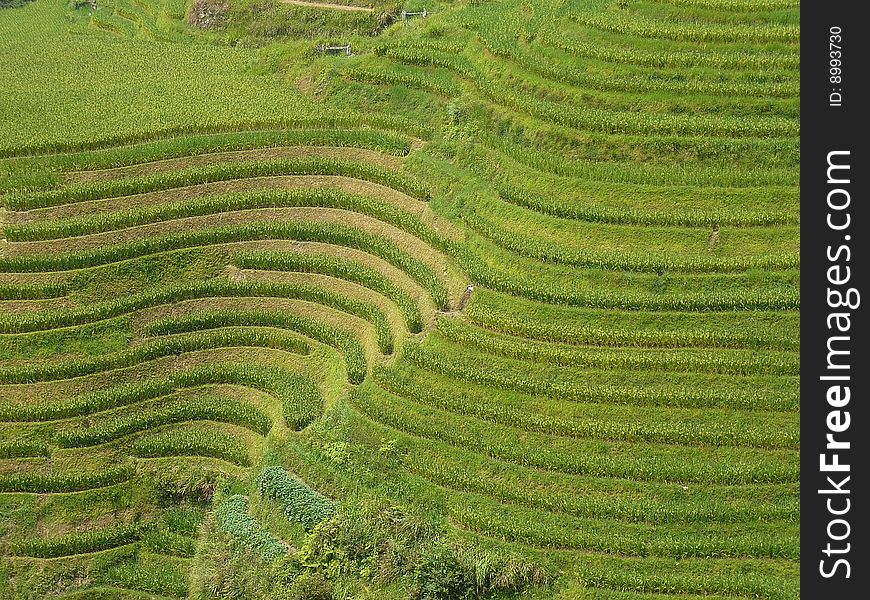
504	305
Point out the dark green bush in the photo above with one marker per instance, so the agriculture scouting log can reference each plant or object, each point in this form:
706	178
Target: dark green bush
439	576
311	586
234	520
13	3
299	501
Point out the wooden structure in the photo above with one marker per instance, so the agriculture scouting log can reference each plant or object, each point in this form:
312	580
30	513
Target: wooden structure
408	15
336	49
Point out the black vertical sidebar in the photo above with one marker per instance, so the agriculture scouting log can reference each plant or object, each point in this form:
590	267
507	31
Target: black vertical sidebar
835	347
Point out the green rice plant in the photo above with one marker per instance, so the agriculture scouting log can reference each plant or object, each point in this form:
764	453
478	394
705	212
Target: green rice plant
668	425
151	575
82	542
343	269
517	282
64	481
634	502
735	5
417	79
324	197
539	528
636	25
160	579
666	468
675	174
313	121
553	77
668	576
545	71
299	396
547	251
723	362
298	501
607	328
635	204
218	409
68	317
162	541
23	449
52	371
233	519
344	341
598	119
248	99
84	192
588	457
452	45
740	58
605	386
314	231
39	291
631	216
195	145
759	159
634	188
587	61
192	442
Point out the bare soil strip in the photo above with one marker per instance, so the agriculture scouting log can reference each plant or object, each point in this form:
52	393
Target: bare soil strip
329	6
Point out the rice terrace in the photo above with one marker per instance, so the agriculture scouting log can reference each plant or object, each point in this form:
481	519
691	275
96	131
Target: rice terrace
338	299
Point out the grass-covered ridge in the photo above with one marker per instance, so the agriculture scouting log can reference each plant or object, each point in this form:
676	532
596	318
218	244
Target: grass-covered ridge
503	304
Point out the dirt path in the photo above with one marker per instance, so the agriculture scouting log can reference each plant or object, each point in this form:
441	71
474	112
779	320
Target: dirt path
329	6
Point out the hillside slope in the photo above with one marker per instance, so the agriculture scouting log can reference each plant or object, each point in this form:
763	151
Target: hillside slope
503	304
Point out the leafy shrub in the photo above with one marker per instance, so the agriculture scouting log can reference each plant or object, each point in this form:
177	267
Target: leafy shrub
233	519
175	485
439	576
369	535
459	572
300	502
310	586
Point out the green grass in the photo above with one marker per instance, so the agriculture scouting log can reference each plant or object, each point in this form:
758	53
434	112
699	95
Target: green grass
239	356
